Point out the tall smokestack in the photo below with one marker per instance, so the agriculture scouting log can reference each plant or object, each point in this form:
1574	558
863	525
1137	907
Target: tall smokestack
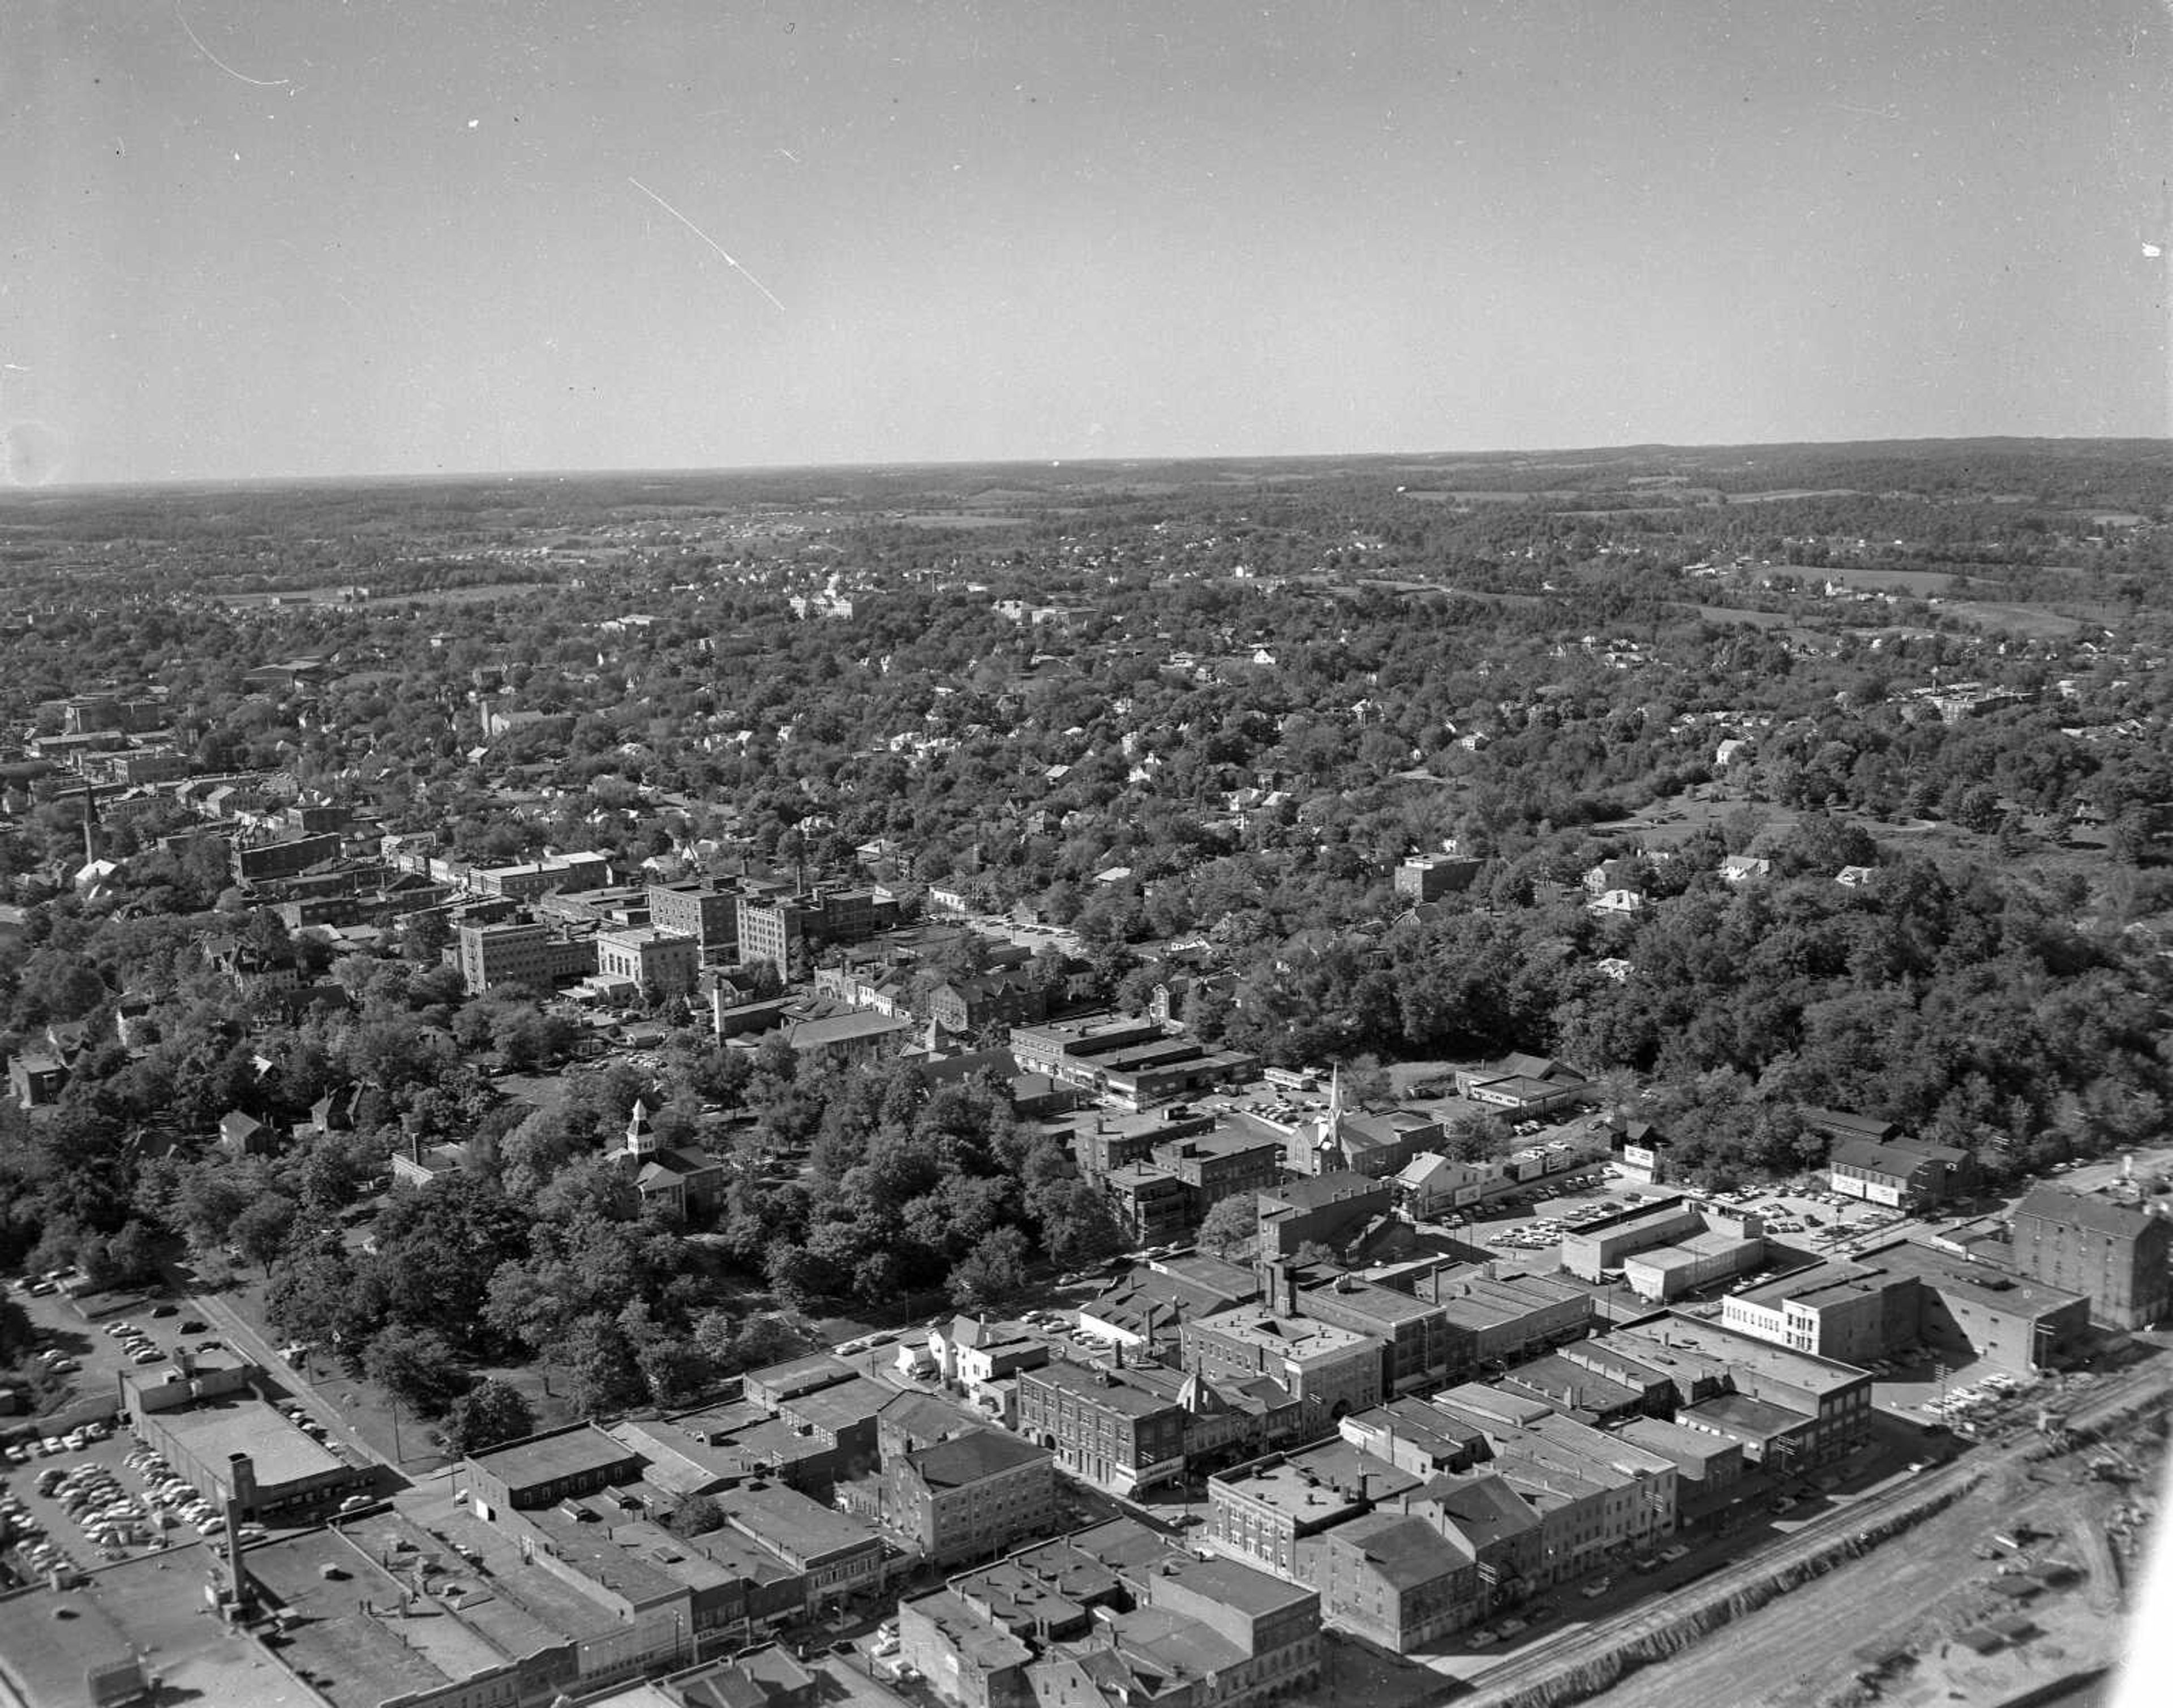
241	1488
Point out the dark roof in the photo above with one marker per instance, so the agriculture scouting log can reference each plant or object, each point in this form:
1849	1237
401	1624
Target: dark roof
548	1458
1893	1159
1483	1508
977	1455
1403	1548
2075	1210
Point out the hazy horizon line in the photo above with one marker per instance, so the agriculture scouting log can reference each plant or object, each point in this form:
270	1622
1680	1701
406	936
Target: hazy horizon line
690	471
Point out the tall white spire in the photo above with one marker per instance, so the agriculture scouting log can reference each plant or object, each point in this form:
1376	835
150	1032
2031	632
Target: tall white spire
1328	1134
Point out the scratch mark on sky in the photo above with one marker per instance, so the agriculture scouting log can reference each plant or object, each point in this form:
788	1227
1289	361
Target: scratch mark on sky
256	81
710	241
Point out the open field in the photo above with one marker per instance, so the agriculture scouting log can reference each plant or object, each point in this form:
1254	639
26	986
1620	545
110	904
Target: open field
1732	613
1919	582
2031	620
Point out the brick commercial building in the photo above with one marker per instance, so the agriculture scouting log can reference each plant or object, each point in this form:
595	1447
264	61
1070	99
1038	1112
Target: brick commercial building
1329	1210
1833	1398
975	1495
525	1475
1133	1062
1267	1512
1398	1580
1111	1431
2115	1255
1419	1348
1598	1495
775	919
533	878
1329	1370
707	914
255	863
1114	1614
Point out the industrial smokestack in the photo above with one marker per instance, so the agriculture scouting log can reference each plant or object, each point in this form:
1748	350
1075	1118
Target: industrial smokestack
241	1486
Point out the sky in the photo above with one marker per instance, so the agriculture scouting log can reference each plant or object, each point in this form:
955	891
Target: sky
247	240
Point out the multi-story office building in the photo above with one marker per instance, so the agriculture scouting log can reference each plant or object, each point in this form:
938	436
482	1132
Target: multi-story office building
707	914
521	953
773	919
532	878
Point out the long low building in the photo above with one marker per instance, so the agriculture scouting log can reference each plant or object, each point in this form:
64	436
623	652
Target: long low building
1665	1248
1905	1295
205	1418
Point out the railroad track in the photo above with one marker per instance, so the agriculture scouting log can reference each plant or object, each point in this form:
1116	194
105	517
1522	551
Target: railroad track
1542	1664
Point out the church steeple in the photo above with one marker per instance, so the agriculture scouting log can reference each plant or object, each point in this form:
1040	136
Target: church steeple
1328	1131
641	1135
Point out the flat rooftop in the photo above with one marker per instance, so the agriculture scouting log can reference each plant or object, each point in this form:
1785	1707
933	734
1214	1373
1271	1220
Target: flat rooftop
529	1609
1741	1412
211	1429
986	1645
349	1635
1983	1284
790	1524
152	1604
1119	1394
577	1451
1234	1584
1740	1352
1319	1485
1382	1305
1820	1284
1298	1338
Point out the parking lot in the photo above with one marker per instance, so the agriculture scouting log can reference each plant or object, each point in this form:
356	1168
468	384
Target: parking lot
79	1502
79	1348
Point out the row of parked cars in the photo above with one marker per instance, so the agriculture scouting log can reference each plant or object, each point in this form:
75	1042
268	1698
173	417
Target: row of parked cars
35	1551
30	1447
139	1345
168	1492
